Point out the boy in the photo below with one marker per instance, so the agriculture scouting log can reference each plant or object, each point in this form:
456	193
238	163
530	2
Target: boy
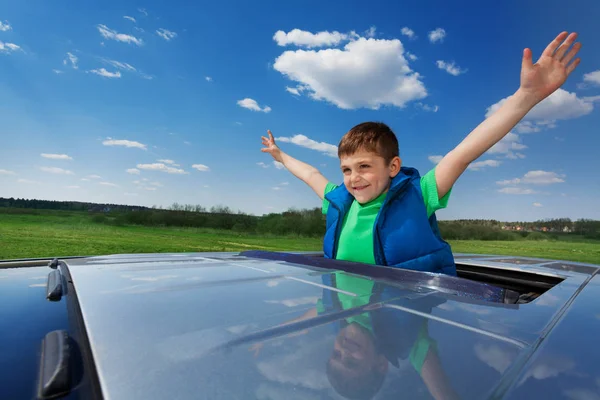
384	213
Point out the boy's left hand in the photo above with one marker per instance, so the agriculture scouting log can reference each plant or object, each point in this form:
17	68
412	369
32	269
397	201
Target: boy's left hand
541	79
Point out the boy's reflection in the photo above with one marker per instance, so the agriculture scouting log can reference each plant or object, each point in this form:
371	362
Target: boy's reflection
366	343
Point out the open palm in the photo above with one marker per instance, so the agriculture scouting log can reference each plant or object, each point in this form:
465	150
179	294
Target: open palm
552	69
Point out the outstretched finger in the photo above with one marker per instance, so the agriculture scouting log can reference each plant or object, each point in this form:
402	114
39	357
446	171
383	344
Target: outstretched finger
573	65
549	51
527	62
270	135
565	46
569	56
264	139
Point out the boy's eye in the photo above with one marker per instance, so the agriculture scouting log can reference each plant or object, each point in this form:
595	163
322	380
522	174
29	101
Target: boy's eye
364	166
346	170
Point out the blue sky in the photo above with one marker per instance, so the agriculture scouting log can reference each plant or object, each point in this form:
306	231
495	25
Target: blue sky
153	102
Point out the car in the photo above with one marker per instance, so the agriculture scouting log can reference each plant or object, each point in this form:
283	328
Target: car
296	325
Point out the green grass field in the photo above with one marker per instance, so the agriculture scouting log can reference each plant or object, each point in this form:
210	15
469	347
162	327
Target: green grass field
63	233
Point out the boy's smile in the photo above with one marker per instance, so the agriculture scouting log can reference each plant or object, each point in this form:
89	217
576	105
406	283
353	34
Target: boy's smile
367	175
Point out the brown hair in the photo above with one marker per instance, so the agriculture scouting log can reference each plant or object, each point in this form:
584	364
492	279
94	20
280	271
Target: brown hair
375	137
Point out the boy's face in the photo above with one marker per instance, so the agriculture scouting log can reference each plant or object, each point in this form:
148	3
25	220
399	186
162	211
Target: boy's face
367	175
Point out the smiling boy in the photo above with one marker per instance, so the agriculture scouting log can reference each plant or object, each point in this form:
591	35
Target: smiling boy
384	213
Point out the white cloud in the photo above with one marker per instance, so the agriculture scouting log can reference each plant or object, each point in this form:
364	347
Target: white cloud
527	127
8	47
365	73
251	104
28	181
437	35
426	107
5	26
516	190
294	91
450	67
103	72
129	18
56	156
537	177
560	105
72	59
276	188
537	204
133	171
507	145
262	164
166	34
310	40
56	170
57	71
284	183
593	77
303	141
208	78
125	143
201	167
94	177
278	165
108	33
406	31
120	65
143	11
477	165
411	56
161	167
435	159
6	172
167	161
186	142
107	184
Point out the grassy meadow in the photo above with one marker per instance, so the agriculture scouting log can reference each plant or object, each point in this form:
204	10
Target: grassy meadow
65	233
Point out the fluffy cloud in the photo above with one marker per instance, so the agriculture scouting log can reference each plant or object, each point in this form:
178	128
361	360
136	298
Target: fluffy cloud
8	47
262	164
56	170
304	141
124	143
208	78
166	34
516	190
94	177
364	73
129	18
406	31
435	159
161	167
103	72
537	204
133	171
5	26
56	156
71	59
108	184
477	165
120	65
108	33
437	35
167	161
201	167
537	177
427	107
310	40
278	165
560	105
450	67
6	172
592	77
251	104
411	56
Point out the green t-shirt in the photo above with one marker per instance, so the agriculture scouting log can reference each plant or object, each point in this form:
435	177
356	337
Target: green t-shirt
356	237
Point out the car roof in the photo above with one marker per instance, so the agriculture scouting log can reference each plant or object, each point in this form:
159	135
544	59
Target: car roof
217	325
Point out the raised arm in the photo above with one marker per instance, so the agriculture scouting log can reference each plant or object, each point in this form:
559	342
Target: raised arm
538	81
307	173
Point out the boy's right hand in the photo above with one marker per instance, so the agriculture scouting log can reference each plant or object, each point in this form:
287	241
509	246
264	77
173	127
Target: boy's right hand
271	147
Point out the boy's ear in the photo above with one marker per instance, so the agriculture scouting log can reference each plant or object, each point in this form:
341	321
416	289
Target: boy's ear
395	166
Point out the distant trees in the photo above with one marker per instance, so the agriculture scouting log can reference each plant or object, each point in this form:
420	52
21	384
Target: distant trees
305	222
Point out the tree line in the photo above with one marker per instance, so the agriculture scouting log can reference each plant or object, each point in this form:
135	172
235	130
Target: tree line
305	222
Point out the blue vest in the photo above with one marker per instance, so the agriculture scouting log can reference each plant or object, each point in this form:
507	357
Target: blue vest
403	236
